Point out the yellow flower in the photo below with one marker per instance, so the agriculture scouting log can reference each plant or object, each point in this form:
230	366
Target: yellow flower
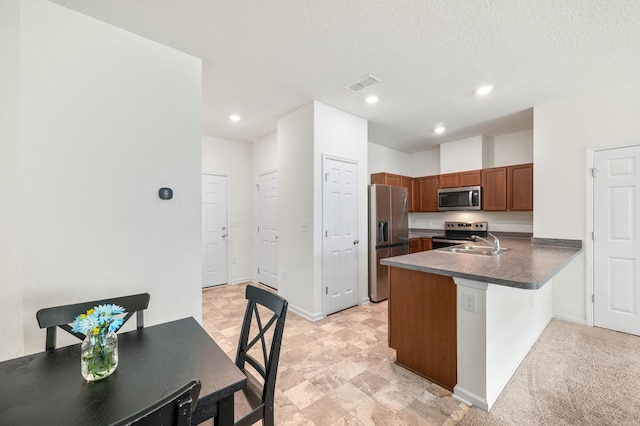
95	330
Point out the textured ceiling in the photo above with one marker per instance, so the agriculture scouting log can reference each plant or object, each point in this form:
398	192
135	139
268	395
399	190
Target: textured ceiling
262	59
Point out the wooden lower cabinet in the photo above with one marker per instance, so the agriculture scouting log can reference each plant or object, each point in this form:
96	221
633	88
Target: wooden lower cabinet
415	245
422	324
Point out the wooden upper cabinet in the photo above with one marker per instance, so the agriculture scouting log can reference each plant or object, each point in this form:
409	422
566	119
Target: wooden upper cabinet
409	183
520	187
494	189
453	180
450	180
428	190
470	178
385	179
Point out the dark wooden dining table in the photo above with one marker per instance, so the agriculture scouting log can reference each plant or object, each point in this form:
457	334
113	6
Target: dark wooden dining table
47	387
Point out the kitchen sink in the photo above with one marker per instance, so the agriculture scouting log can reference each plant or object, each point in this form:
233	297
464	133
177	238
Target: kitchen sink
481	250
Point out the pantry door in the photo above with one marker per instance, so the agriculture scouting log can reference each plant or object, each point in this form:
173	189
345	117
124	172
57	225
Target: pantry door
340	234
268	229
616	242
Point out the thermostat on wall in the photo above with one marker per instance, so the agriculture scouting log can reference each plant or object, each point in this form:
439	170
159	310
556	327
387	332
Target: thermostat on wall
165	193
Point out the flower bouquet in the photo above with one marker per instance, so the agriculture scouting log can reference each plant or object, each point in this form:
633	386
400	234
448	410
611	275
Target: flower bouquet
99	350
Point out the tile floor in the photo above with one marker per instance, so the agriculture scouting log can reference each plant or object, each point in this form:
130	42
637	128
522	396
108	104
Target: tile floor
336	371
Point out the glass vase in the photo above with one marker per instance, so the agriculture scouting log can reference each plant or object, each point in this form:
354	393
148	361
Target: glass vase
99	356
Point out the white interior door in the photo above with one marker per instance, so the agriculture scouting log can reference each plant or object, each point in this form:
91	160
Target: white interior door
340	243
268	229
616	246
214	230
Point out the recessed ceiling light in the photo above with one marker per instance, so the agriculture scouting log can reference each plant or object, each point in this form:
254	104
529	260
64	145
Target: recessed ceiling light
484	90
440	129
372	99
234	117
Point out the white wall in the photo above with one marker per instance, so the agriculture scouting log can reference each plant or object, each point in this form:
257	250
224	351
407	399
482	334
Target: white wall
342	135
509	149
383	159
11	331
233	160
106	118
296	198
424	163
564	132
464	154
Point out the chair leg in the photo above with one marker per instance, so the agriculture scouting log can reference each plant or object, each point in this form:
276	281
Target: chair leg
268	417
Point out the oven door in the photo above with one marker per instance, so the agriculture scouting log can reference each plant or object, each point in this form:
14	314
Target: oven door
441	242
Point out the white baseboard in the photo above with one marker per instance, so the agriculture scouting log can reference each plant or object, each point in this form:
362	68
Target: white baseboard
305	314
570	319
470	398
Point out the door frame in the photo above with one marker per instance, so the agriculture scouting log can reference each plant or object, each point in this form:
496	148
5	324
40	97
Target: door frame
326	157
590	199
226	201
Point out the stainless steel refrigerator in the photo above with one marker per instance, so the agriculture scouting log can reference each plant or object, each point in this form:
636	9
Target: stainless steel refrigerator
389	234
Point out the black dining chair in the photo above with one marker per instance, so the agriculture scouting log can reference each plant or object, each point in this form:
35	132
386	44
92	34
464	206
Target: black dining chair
174	409
255	402
62	316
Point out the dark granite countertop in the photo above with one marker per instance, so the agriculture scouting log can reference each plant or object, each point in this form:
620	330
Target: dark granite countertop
524	265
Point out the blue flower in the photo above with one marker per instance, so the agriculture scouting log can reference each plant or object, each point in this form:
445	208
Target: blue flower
100	319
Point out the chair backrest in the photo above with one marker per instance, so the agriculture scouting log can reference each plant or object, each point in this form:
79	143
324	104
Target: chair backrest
174	409
62	316
265	362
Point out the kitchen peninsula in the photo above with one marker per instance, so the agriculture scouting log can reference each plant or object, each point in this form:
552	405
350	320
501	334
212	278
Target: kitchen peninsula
466	321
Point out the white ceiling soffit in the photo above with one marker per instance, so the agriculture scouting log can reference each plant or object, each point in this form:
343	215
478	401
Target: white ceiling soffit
264	59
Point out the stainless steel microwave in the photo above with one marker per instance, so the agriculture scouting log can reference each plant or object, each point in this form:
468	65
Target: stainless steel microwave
464	198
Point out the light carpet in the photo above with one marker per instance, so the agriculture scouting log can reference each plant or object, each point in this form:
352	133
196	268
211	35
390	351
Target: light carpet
573	375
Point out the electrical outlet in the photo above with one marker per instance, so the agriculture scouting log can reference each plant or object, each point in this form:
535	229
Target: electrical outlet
469	302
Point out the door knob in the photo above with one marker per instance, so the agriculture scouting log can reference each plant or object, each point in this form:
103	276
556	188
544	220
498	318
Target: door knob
356	241
224	235
224	227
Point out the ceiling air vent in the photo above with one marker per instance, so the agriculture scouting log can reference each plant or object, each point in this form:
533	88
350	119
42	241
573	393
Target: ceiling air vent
366	81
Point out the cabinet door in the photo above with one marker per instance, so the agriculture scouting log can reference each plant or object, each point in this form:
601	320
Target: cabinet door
415	245
449	180
426	244
471	178
385	179
407	182
494	189
377	179
428	193
520	187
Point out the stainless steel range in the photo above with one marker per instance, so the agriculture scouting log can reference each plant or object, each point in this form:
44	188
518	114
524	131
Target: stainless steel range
459	233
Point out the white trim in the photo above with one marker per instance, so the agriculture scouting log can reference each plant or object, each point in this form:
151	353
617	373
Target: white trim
469	398
574	320
588	246
326	156
311	317
266	172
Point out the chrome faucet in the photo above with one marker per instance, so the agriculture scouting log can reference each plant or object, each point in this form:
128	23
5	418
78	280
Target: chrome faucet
496	241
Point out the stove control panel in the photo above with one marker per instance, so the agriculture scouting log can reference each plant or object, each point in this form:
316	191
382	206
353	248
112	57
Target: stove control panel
466	226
